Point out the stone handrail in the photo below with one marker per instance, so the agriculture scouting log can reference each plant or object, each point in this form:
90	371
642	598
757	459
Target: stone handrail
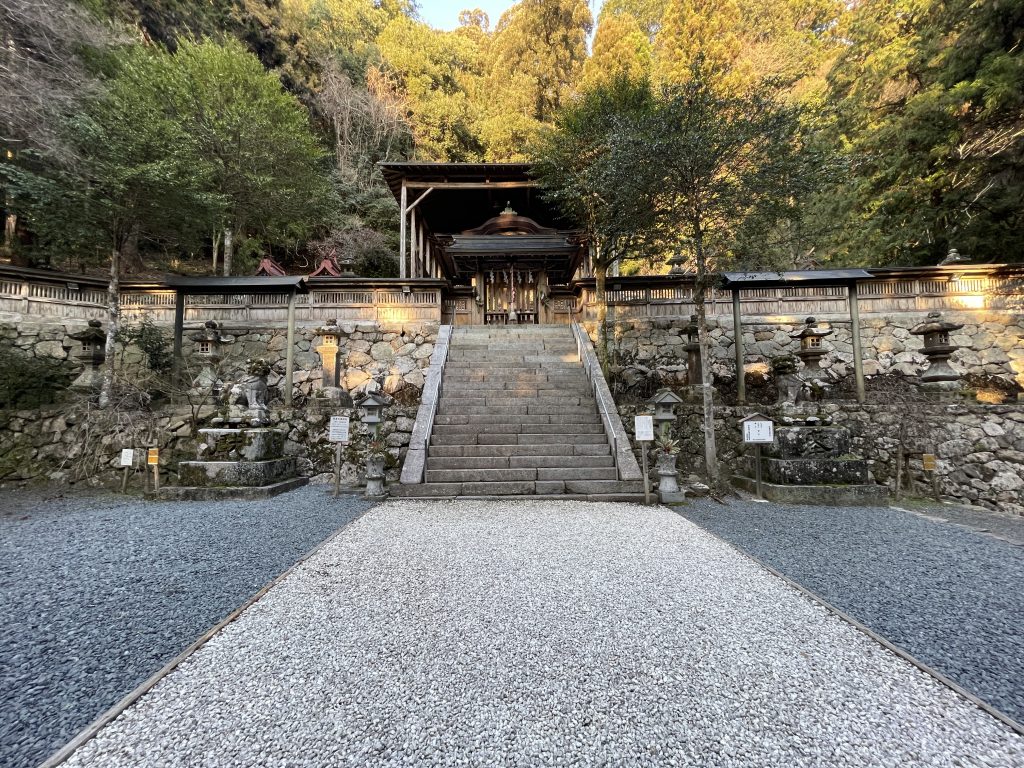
416	457
625	461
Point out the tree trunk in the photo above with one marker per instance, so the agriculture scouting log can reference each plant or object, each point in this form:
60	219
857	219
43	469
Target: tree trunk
113	325
600	272
215	239
710	449
229	249
10	227
130	258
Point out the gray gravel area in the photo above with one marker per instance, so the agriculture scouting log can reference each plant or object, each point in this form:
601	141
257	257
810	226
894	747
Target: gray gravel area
950	596
99	592
543	634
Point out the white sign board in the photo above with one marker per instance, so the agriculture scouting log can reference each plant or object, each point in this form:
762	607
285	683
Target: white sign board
338	431
127	457
758	431
643	427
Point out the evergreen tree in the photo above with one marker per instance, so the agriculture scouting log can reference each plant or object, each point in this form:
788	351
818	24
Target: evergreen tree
704	31
620	48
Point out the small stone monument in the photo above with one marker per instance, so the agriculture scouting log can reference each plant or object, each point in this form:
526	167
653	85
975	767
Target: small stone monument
666	449
91	353
209	349
694	374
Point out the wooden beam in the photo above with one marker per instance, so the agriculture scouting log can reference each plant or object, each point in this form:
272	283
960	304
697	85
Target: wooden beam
737	332
289	355
401	231
420	198
858	360
469	184
413	270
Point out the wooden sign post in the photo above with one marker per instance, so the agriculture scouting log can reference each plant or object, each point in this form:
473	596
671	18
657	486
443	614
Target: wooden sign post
153	460
127	460
757	430
643	428
337	433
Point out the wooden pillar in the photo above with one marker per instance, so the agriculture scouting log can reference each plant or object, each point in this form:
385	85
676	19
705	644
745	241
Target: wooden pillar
858	360
413	256
179	327
403	204
421	270
289	357
737	332
430	261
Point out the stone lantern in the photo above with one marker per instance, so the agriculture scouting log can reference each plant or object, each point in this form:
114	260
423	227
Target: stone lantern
937	348
373	406
330	335
209	349
91	353
664	402
811	348
694	374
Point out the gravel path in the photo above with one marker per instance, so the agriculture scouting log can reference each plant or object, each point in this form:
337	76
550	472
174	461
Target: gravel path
951	597
98	593
543	634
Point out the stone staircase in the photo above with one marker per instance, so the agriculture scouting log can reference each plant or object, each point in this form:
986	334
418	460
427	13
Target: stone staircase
517	417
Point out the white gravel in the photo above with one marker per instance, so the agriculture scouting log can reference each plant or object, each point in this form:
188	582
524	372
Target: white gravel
543	633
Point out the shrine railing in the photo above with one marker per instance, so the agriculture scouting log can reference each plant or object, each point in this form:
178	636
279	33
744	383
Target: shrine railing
994	288
44	294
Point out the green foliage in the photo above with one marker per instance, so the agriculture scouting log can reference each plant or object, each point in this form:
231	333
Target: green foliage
621	48
149	339
928	104
29	382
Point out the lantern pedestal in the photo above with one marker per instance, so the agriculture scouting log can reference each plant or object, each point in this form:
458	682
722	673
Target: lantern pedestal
375	488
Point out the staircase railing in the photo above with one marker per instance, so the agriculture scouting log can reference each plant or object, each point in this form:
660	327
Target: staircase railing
415	466
626	467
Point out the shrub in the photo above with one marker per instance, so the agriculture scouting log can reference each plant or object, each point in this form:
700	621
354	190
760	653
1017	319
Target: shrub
29	382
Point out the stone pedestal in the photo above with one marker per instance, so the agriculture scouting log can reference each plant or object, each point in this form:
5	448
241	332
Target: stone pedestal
236	463
375	477
812	463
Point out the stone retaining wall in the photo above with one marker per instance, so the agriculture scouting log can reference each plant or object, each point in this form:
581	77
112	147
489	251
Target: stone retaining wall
979	448
77	444
991	344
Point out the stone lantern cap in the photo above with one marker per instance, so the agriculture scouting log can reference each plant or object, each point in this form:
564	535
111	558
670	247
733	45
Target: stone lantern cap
665	397
329	328
91	335
934	324
211	332
811	329
373	405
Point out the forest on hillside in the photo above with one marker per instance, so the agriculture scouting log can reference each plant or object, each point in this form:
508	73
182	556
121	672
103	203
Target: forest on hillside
203	136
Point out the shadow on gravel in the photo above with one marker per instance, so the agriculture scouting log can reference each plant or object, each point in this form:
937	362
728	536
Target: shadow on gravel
948	595
99	592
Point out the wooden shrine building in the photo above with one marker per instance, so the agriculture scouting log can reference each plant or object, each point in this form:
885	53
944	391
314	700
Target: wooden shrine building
485	229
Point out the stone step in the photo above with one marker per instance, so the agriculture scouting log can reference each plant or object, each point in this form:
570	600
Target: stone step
535	449
505	381
561	418
540	474
484	389
516	428
518	462
451	406
498	438
467	399
615	490
461	365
